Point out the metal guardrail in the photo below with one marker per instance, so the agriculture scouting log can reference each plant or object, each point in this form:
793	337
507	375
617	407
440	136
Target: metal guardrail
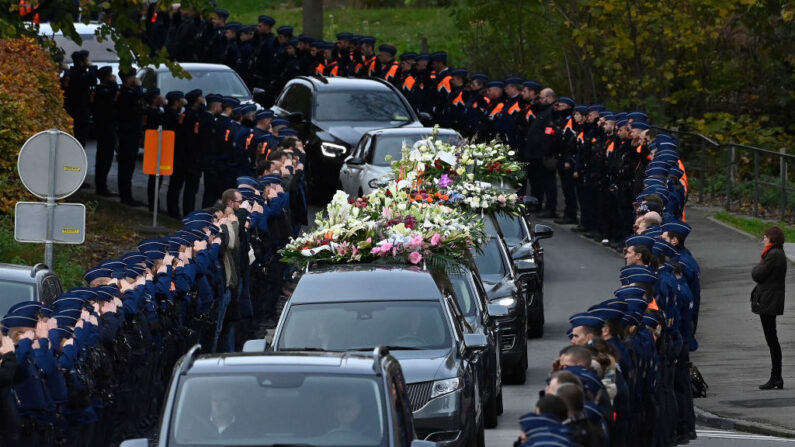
730	164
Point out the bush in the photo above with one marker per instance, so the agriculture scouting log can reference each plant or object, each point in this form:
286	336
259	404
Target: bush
31	101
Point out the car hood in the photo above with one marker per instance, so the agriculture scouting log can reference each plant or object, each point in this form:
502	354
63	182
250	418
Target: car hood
425	365
351	133
499	289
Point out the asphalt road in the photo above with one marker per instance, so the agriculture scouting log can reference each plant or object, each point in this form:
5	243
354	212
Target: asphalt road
579	273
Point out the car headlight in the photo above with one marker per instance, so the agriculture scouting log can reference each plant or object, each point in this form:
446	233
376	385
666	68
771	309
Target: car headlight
507	301
331	149
446	386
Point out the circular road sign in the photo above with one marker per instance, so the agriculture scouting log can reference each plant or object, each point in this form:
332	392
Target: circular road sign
37	168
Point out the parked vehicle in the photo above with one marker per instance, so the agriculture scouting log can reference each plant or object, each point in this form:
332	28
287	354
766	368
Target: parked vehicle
25	283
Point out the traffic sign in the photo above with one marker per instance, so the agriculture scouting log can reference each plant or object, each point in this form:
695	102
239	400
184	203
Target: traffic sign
68	223
166	153
52	155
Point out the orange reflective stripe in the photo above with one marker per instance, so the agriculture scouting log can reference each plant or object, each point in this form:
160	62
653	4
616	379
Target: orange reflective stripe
568	125
181	118
154	17
514	108
432	76
445	84
371	67
392	72
529	114
319	69
335	70
653	305
226	135
580	138
459	99
196	128
610	148
497	109
173	287
683	180
408	84
639	149
264	146
248	140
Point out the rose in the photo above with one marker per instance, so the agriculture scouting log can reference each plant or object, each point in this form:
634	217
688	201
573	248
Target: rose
435	239
415	257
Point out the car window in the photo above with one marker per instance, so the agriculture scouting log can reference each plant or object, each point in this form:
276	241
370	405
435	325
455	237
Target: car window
362	148
390	146
297	99
364	325
312	409
490	226
464	294
99	51
15	292
222	82
50	289
380	106
490	262
512	229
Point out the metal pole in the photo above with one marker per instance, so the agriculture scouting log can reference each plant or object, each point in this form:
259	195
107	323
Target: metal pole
783	168
703	173
157	174
48	244
756	184
729	158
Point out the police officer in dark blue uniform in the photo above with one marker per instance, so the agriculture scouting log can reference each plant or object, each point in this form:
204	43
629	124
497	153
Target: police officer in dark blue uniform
103	102
130	115
78	81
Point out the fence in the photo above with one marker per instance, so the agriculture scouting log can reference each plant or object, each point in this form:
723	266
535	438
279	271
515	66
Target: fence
738	171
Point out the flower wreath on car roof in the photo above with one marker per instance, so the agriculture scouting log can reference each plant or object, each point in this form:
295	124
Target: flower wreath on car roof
429	214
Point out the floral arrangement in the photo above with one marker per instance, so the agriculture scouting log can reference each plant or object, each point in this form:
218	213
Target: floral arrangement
387	227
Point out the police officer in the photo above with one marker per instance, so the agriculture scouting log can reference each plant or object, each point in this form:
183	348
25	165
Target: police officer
264	66
207	147
388	65
183	46
191	131
231	54
130	115
103	102
78	81
214	41
173	118
439	86
153	118
455	108
246	51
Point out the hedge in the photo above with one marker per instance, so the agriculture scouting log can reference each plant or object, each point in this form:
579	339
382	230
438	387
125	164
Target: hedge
31	100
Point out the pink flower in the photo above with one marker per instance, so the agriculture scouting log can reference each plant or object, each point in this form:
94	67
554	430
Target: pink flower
386	247
445	181
416	241
375	250
415	257
435	239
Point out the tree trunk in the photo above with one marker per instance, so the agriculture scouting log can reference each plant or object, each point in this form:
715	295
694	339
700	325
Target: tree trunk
313	18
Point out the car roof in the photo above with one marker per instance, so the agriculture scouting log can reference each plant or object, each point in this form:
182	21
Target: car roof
324	362
21	273
81	28
410	131
365	282
344	84
192	66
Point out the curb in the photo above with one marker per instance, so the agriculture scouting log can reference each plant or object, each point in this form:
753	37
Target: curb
704	417
790	255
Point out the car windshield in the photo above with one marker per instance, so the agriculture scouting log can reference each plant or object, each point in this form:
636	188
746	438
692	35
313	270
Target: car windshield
388	147
222	82
279	408
464	293
15	292
490	262
98	51
512	230
364	325
379	106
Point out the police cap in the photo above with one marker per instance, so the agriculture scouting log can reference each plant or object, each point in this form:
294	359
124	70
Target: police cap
263	115
285	30
480	77
268	20
79	56
248	29
513	80
387	48
640	125
223	13
367	40
566	100
306	38
174	96
459	72
596	108
498	84
408	56
645	241
440	56
193	95
104	71
344	36
423	57
233	26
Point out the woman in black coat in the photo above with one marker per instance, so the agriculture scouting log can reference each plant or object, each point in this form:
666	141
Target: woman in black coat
767	298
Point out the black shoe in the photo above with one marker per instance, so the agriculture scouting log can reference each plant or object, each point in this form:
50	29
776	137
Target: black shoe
597	237
133	202
590	234
682	439
546	214
773	383
566	221
692	435
579	229
105	193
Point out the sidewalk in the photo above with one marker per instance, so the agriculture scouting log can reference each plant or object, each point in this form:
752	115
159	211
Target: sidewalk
733	356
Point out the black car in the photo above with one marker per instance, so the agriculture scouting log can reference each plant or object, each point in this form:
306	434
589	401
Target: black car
412	313
527	256
332	114
479	316
298	398
504	287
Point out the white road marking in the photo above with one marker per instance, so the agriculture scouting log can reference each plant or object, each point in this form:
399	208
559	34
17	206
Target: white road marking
721	434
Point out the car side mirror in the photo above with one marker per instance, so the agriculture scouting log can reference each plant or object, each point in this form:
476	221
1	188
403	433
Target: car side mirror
425	118
475	341
256	345
257	91
423	443
542	231
140	442
355	161
531	204
296	118
497	310
522	251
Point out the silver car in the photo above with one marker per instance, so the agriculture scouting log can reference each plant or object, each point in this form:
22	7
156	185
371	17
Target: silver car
25	283
368	166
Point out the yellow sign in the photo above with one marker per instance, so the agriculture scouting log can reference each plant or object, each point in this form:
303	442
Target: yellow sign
70	231
72	168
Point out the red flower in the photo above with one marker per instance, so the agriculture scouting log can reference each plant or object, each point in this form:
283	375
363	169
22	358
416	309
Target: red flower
507	171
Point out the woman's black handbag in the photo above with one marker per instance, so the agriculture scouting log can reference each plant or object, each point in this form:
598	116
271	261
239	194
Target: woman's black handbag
697	382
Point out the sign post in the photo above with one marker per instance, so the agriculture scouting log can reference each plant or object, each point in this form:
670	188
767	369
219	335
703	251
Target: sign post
158	159
52	165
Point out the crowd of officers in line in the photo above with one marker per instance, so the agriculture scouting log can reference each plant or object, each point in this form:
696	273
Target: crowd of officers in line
625	379
91	368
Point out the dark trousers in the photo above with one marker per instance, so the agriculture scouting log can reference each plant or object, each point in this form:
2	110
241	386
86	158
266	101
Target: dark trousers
535	178
82	127
106	147
128	152
771	337
568	187
192	180
212	186
684	393
587	195
175	184
550	189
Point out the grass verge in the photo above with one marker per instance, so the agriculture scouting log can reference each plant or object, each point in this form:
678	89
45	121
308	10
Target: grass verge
755	226
402	27
112	229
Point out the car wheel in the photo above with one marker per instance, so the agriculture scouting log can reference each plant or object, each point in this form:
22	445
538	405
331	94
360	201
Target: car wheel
490	411
535	318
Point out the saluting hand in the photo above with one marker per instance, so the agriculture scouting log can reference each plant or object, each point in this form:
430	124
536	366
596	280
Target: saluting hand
6	345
